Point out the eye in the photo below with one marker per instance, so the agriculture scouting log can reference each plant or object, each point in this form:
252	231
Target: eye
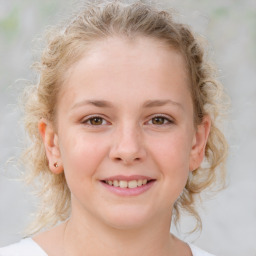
95	121
160	120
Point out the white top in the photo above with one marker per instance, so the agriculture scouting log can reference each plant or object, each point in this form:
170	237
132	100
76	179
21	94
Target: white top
27	247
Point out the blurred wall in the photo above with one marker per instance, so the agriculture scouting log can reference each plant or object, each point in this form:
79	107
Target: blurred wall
229	219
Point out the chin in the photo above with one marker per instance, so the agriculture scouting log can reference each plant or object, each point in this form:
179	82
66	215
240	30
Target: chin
127	219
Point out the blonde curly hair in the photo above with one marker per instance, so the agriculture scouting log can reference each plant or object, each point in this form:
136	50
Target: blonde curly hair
65	45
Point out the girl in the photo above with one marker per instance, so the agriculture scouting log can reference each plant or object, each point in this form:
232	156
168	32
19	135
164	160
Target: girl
121	118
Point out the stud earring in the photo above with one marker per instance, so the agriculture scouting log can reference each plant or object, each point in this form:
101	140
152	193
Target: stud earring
56	165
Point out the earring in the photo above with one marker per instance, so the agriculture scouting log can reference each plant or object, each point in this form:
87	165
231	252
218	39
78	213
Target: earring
56	165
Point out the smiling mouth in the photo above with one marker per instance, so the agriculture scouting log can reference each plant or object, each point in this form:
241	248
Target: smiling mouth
127	184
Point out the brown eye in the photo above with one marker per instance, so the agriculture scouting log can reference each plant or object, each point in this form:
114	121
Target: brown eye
96	121
160	120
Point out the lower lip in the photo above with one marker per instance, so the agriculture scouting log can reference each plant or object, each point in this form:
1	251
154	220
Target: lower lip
129	191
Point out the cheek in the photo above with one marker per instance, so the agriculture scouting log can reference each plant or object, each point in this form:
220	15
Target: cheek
173	152
81	155
171	158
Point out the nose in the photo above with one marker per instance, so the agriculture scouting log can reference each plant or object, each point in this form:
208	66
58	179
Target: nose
127	145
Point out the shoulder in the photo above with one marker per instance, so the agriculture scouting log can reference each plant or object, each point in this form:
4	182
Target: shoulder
198	252
26	247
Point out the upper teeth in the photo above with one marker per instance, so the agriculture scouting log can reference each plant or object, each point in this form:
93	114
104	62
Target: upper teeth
127	184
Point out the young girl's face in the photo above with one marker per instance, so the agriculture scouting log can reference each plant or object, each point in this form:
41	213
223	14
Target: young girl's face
125	117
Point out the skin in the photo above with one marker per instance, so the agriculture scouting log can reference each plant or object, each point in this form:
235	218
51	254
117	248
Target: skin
139	92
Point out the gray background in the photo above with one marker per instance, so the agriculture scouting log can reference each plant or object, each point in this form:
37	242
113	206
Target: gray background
229	219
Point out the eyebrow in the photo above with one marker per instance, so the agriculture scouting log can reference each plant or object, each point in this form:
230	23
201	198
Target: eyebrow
107	104
160	103
96	103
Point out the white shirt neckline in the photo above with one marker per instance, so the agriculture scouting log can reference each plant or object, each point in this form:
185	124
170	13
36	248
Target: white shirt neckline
28	247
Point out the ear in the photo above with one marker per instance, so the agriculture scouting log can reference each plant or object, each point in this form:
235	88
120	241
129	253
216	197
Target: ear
51	144
199	143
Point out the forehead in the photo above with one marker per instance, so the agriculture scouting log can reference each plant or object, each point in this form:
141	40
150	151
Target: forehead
122	65
124	53
114	50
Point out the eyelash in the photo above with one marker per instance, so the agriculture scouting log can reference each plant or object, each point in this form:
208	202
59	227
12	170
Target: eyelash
167	120
88	121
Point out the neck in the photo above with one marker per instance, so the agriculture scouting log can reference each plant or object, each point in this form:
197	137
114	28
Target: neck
94	238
